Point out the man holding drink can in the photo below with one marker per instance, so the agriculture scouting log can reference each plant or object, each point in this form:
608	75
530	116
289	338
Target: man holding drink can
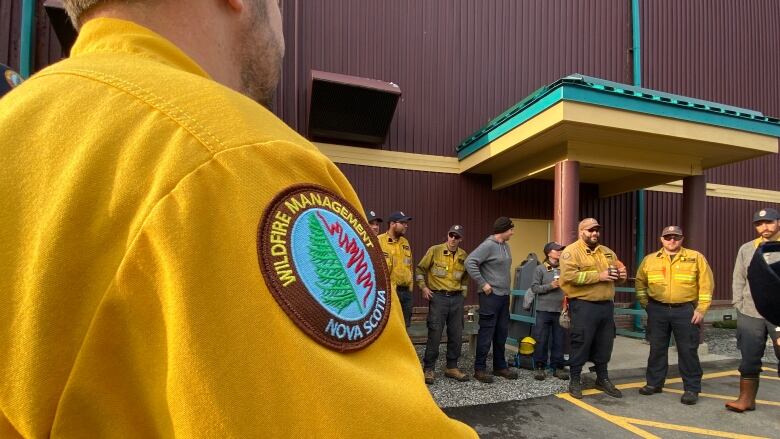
588	275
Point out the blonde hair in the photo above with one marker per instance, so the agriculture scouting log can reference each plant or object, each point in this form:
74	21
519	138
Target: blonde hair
76	8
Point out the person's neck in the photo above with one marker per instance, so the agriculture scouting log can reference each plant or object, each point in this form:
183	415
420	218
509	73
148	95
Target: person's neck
452	248
498	238
552	262
671	253
210	47
391	233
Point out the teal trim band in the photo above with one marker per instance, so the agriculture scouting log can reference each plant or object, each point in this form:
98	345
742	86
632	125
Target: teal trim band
636	43
27	37
510	122
589	90
679	109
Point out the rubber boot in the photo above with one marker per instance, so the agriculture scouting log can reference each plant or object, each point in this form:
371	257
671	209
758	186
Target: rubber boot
748	388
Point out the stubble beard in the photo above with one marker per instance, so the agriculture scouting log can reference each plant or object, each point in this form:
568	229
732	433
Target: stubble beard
261	60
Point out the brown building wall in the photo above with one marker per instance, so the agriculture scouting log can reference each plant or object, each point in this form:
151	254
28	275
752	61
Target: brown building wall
46	47
721	51
459	63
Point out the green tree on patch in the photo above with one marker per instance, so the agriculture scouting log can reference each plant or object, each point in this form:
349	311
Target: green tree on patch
337	291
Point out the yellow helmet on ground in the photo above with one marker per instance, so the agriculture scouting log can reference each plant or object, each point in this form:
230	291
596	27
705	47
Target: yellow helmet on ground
527	345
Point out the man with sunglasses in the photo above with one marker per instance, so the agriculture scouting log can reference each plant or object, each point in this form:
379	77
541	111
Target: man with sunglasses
752	328
589	271
444	267
675	286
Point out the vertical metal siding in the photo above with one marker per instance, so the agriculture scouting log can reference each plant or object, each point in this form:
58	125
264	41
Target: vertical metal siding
722	51
46	47
459	63
10	23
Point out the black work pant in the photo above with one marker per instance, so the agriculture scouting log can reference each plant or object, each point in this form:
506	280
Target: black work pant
592	335
443	309
751	341
549	340
405	297
493	328
662	322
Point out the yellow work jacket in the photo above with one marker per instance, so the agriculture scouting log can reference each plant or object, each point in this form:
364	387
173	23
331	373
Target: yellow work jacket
398	254
685	278
580	268
445	270
134	300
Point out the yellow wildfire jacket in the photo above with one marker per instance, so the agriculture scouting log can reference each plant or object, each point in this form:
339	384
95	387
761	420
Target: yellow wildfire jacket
444	270
580	268
686	278
398	254
133	302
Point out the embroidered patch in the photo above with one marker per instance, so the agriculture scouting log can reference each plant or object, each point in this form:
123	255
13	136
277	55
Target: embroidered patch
762	213
565	255
323	267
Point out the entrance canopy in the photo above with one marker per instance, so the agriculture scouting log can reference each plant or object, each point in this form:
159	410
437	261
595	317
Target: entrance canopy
624	137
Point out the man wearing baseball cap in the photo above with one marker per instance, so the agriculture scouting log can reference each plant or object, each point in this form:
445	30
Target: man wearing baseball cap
398	255
752	328
589	271
674	285
489	265
373	221
444	267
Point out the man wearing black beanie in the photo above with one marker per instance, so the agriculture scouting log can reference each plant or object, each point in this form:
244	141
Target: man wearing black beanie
489	265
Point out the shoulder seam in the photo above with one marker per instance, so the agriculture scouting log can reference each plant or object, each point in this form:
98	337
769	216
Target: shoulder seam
207	139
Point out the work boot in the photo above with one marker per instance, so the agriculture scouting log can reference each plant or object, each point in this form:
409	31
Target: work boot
482	376
506	373
456	374
649	390
539	373
561	374
575	388
429	377
689	398
748	387
607	387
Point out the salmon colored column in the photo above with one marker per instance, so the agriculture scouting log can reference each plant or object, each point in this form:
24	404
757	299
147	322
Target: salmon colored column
566	201
694	213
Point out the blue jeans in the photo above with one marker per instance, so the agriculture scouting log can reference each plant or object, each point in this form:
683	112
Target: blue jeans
493	328
549	340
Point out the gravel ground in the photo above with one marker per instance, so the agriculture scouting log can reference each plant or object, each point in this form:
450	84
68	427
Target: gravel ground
450	393
724	342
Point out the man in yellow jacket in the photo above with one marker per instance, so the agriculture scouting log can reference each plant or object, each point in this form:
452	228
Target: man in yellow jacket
675	286
176	261
442	278
398	255
589	271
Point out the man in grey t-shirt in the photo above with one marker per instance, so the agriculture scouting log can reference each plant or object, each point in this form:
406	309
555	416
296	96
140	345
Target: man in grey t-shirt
489	265
752	329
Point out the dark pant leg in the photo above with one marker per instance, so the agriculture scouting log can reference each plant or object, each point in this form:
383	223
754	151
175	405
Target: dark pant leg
437	313
541	335
454	329
405	297
604	339
658	330
556	342
487	326
751	340
501	332
686	335
581	334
